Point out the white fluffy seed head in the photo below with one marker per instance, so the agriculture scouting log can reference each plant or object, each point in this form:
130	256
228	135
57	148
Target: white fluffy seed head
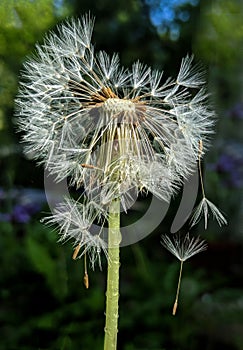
72	102
87	118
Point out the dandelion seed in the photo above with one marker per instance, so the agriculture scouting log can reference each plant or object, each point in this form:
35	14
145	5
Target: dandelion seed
86	280
205	206
76	251
86	276
203	210
75	223
190	76
75	254
182	249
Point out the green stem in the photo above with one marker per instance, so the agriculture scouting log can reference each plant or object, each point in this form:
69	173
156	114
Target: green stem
112	293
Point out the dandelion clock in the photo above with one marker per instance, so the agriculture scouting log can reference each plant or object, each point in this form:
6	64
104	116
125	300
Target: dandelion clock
111	130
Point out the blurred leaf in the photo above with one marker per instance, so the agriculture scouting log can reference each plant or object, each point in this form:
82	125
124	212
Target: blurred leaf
221	32
48	266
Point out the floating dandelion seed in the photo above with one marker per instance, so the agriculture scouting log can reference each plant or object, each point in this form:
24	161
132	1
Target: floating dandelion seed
205	205
203	209
183	249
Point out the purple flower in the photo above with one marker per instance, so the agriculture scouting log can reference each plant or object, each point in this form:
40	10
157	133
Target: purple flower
230	164
26	203
237	111
20	214
225	163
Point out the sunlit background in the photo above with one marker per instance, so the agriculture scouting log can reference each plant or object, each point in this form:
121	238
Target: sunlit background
44	304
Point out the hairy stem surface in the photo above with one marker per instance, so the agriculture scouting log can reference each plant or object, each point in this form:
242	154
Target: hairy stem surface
112	293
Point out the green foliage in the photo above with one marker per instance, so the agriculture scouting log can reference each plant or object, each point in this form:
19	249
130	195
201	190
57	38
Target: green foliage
20	28
218	40
16	38
22	24
45	305
49	262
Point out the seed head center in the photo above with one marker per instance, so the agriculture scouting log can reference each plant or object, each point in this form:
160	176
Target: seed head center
118	105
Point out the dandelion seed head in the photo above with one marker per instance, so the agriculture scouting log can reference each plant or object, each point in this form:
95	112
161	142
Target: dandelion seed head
73	101
108	128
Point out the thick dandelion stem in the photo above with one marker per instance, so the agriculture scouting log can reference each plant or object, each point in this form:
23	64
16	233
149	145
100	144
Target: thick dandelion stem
112	293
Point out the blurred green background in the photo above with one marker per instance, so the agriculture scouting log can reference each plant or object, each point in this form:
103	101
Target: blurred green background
44	304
